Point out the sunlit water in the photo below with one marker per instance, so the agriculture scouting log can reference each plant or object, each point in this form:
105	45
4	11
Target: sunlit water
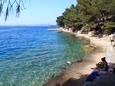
29	56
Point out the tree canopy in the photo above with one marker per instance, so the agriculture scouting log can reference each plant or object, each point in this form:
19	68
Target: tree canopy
94	13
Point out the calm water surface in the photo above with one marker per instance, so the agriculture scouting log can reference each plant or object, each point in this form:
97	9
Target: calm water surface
29	56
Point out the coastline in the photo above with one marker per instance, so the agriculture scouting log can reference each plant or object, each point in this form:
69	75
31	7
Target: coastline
79	69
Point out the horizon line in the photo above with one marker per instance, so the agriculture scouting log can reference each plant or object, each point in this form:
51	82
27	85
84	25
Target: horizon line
32	25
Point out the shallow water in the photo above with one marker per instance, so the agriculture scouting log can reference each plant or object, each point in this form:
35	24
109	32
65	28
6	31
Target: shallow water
29	56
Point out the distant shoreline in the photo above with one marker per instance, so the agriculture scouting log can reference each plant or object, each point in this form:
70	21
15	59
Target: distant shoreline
77	69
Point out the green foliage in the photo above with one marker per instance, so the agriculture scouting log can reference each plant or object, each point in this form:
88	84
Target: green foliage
91	12
109	27
60	21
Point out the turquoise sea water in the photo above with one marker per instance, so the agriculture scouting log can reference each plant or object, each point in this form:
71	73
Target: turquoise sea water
29	56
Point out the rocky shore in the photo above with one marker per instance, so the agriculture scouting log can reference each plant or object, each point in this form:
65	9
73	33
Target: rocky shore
77	72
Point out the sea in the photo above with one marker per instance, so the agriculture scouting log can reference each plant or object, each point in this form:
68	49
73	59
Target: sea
30	55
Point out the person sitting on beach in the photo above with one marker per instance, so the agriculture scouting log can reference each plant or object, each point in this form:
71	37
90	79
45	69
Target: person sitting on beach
103	65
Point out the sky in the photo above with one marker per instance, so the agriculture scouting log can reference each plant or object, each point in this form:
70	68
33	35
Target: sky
38	12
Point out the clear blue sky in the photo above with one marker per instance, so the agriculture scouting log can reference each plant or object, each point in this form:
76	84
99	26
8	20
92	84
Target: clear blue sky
39	12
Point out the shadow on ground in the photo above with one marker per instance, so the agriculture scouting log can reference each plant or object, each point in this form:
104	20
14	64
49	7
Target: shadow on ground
108	80
75	82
